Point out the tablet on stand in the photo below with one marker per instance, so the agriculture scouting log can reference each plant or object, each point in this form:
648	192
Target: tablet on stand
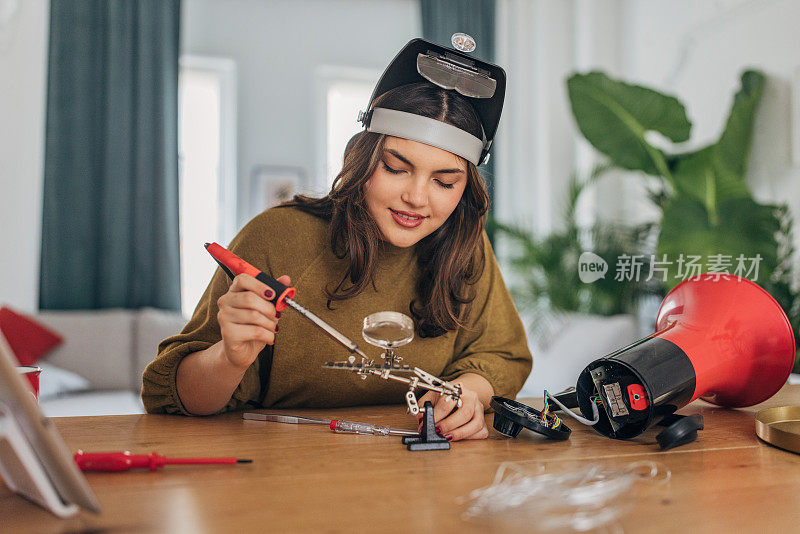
34	460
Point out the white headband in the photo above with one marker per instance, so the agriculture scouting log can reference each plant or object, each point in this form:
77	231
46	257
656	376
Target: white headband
426	130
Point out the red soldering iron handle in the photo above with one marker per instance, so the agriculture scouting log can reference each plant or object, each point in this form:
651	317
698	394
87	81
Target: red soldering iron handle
234	265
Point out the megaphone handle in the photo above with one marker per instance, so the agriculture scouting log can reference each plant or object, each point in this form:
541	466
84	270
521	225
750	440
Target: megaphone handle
681	429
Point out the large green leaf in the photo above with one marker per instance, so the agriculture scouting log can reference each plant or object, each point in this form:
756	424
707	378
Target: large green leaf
614	117
717	172
696	176
733	148
742	227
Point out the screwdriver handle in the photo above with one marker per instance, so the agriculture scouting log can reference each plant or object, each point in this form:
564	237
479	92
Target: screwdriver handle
234	265
123	461
116	461
353	427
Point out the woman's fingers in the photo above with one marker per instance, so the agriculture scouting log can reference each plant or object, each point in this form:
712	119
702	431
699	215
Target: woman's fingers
247	319
442	406
457	418
244	333
475	428
457	423
245	282
247	300
248	293
247	316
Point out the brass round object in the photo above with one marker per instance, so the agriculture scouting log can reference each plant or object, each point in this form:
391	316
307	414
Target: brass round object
780	427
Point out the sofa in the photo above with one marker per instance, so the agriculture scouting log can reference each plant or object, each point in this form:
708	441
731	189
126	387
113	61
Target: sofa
97	369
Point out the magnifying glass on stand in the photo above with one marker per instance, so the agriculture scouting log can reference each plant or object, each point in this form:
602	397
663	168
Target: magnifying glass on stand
388	330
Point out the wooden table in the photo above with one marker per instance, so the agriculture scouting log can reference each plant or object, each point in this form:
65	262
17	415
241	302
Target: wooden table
306	478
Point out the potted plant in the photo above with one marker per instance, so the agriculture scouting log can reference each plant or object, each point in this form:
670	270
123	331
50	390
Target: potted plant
707	209
547	279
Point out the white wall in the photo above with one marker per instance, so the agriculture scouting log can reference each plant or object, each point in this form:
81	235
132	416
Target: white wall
278	46
697	50
23	60
540	43
694	49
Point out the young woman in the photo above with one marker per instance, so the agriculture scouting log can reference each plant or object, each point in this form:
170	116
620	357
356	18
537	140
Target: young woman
401	230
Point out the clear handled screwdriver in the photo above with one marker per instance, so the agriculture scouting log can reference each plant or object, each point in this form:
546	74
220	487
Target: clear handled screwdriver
368	428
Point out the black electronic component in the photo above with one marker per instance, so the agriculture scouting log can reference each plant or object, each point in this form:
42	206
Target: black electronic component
510	417
568	397
617	378
428	439
681	430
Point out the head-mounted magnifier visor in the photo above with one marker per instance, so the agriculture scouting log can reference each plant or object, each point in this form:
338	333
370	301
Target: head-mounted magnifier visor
483	84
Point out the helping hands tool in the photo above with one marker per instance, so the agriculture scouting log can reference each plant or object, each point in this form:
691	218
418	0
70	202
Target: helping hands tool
337	425
123	461
234	265
427	439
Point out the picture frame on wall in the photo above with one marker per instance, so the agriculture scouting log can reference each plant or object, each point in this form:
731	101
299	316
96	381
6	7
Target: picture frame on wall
271	185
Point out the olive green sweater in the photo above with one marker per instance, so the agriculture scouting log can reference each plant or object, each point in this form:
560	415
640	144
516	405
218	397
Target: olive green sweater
288	241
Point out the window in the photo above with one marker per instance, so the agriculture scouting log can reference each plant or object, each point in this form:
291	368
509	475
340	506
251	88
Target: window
344	92
207	168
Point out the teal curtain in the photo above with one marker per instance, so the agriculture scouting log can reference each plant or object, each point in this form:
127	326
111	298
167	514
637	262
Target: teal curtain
110	236
442	18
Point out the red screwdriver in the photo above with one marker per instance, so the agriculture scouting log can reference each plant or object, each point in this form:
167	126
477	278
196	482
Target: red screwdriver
123	461
233	265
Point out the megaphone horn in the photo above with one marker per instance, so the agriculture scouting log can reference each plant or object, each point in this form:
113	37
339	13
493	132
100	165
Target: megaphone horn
720	338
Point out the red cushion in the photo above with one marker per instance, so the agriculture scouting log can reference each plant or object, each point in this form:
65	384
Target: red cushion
28	339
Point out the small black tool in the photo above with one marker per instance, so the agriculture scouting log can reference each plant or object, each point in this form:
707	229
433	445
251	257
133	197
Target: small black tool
680	430
428	439
510	417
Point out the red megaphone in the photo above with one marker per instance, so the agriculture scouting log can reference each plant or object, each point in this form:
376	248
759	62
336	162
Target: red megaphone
718	337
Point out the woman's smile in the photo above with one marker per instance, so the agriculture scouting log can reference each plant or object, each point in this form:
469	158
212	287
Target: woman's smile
406	219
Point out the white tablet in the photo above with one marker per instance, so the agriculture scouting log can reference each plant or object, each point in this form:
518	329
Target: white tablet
34	460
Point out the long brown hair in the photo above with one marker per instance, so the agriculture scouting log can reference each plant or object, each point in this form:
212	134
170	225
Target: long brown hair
451	259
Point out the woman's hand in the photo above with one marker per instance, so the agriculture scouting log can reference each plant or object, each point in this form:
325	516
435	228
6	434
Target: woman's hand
247	320
465	422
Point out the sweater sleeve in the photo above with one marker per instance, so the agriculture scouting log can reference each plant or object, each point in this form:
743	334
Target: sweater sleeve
492	341
159	385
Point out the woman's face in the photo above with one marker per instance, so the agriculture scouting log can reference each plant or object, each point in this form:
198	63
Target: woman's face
414	190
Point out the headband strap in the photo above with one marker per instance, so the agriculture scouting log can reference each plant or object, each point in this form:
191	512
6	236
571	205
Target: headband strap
426	130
